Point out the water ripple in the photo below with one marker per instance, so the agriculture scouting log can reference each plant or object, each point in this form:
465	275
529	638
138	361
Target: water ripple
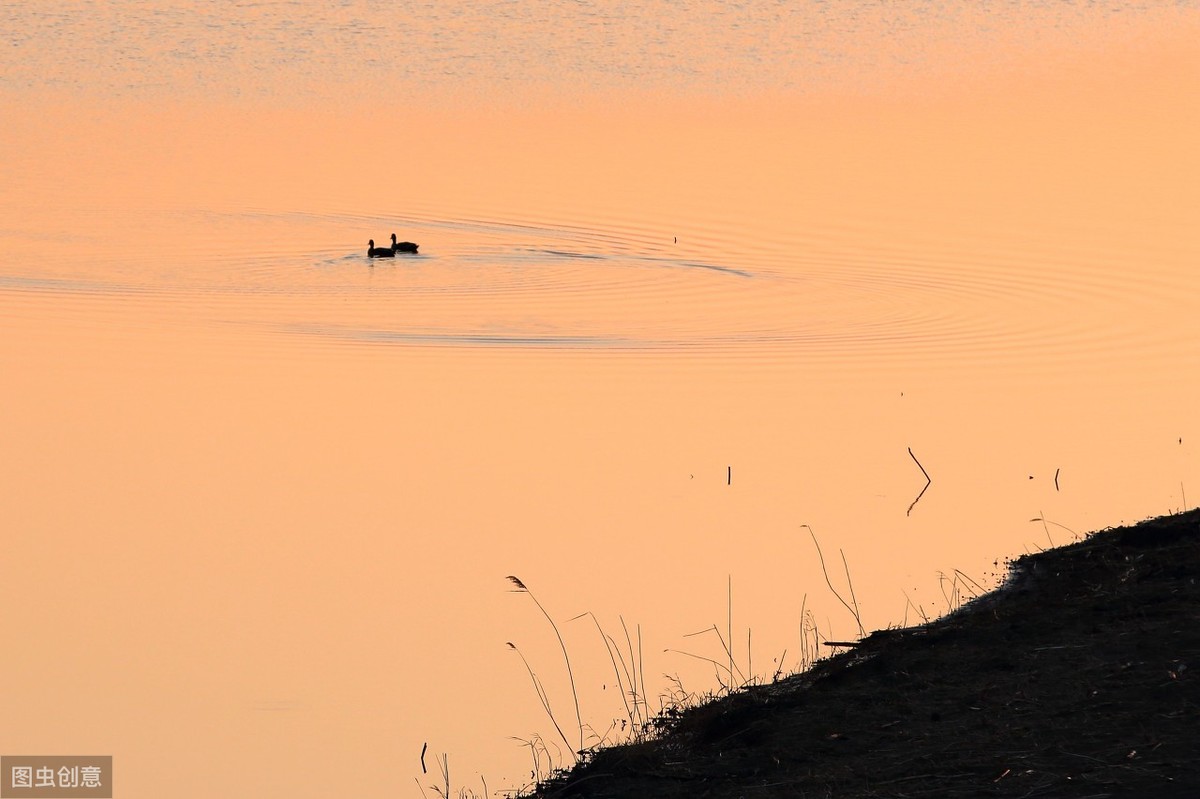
617	286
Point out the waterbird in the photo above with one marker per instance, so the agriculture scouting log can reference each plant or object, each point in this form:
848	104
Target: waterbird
403	246
378	252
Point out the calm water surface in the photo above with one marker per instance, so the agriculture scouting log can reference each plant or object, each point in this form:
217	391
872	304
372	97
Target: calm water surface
691	278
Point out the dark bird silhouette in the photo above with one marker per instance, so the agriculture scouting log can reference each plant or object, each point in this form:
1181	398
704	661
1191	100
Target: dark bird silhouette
403	246
379	252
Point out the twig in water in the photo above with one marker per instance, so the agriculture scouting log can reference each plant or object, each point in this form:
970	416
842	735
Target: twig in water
919	466
1056	471
928	482
424	746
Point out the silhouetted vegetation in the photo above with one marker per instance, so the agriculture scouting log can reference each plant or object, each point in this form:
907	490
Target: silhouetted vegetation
1076	678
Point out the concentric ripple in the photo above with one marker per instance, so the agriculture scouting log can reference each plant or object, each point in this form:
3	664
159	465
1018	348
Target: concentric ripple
613	285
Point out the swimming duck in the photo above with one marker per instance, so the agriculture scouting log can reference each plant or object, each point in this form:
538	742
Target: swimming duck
378	252
403	246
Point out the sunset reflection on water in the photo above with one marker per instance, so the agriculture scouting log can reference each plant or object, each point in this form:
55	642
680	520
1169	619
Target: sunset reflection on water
690	278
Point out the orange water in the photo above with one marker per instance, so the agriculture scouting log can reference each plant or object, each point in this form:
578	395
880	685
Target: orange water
691	277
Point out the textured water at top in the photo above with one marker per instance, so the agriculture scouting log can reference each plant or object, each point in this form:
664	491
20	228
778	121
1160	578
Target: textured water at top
293	48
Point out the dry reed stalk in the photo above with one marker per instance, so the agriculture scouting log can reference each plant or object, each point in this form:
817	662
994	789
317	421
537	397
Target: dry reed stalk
853	609
566	659
542	696
614	654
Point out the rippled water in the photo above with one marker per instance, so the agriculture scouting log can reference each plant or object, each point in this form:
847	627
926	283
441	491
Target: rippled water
540	284
291	47
690	277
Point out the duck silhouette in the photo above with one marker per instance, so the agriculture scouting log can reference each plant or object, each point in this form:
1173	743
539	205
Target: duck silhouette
403	246
379	252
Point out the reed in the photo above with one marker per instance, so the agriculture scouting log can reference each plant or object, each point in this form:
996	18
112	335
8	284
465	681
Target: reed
962	589
542	696
521	588
539	753
626	662
628	674
727	665
443	762
920	611
853	608
1044	521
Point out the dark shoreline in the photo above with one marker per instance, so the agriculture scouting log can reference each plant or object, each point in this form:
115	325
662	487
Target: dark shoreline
1079	677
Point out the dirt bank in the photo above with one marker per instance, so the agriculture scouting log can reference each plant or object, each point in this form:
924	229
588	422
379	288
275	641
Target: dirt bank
1079	678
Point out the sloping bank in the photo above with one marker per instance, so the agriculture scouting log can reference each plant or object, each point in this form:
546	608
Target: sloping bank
1080	677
